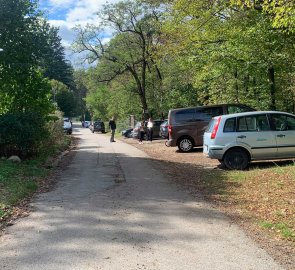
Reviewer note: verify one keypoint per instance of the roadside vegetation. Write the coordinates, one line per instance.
(265, 196)
(172, 54)
(19, 181)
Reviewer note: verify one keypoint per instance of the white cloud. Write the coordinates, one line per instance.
(60, 3)
(74, 12)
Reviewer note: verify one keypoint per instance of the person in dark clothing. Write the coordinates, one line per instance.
(141, 132)
(112, 126)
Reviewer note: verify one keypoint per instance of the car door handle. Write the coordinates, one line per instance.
(242, 137)
(281, 135)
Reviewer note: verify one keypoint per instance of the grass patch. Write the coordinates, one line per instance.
(279, 228)
(265, 195)
(18, 181)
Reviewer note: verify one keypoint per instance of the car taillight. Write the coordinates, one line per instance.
(169, 130)
(215, 128)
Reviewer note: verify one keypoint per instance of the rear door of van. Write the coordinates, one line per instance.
(203, 117)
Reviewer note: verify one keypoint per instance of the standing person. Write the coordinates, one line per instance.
(112, 126)
(150, 127)
(141, 132)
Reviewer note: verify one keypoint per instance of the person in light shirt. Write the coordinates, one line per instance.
(150, 126)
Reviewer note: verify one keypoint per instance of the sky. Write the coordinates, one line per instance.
(66, 14)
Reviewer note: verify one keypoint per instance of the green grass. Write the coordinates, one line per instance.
(20, 180)
(281, 228)
(17, 181)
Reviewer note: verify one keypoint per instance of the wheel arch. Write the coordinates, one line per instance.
(186, 137)
(238, 147)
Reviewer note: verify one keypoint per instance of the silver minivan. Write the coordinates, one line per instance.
(237, 139)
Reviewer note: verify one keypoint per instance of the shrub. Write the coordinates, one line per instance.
(55, 140)
(21, 133)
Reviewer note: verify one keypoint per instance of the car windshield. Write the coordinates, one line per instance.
(211, 125)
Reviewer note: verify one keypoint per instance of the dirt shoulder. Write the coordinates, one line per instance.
(260, 200)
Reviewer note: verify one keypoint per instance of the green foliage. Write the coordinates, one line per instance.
(30, 51)
(220, 45)
(281, 12)
(80, 91)
(64, 98)
(197, 53)
(31, 92)
(21, 133)
(129, 52)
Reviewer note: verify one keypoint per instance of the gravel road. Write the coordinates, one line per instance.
(111, 209)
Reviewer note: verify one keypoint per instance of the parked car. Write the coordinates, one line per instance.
(164, 130)
(186, 126)
(68, 125)
(127, 132)
(86, 124)
(237, 139)
(156, 129)
(97, 126)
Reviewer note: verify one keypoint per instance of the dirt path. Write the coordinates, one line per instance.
(112, 209)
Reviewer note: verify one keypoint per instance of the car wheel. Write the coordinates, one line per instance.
(236, 159)
(185, 145)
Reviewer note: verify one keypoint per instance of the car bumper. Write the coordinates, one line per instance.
(68, 130)
(171, 143)
(215, 152)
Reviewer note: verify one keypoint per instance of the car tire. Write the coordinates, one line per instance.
(236, 159)
(185, 145)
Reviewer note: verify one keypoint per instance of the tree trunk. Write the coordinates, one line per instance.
(236, 86)
(272, 89)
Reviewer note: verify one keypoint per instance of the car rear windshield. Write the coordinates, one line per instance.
(211, 125)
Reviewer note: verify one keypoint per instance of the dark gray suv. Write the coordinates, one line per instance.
(186, 126)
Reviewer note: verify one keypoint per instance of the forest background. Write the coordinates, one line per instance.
(161, 55)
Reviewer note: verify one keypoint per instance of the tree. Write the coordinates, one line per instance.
(130, 49)
(64, 98)
(31, 50)
(220, 44)
(282, 12)
(54, 63)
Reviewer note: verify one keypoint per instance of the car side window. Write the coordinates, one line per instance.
(187, 115)
(230, 125)
(253, 123)
(238, 109)
(205, 114)
(283, 122)
(262, 123)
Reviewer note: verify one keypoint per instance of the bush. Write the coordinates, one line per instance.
(56, 139)
(21, 133)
